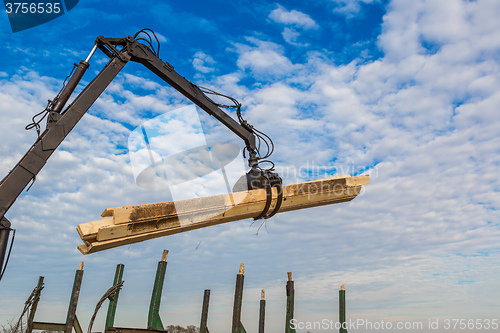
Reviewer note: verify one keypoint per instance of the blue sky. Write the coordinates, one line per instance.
(407, 91)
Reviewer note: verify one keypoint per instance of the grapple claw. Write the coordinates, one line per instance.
(262, 179)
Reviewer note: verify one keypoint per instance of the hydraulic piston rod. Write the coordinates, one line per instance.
(70, 87)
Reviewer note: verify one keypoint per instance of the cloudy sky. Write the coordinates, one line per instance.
(407, 91)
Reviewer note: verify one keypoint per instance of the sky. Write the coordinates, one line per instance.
(405, 91)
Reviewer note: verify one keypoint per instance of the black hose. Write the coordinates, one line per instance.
(110, 293)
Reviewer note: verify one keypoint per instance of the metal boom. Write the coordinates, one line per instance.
(60, 123)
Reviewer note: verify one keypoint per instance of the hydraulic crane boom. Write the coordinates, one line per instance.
(60, 123)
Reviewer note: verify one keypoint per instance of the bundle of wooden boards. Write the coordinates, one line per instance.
(132, 224)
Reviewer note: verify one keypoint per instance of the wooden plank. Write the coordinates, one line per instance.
(77, 326)
(358, 180)
(131, 224)
(210, 209)
(204, 219)
(86, 230)
(48, 326)
(133, 330)
(145, 212)
(96, 246)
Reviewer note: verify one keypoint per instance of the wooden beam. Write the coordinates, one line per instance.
(48, 326)
(131, 224)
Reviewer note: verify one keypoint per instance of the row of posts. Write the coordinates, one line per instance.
(154, 320)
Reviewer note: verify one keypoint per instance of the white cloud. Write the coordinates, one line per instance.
(200, 62)
(161, 38)
(291, 36)
(135, 81)
(350, 8)
(460, 29)
(293, 21)
(293, 18)
(263, 59)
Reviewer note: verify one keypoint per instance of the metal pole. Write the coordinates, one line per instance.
(238, 300)
(75, 293)
(113, 302)
(154, 320)
(342, 309)
(290, 294)
(262, 312)
(91, 53)
(36, 298)
(204, 312)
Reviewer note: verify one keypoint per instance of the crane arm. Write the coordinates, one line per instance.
(60, 123)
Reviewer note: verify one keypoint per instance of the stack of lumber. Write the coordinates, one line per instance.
(132, 224)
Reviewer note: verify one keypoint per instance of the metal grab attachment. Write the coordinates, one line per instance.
(269, 180)
(269, 198)
(278, 202)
